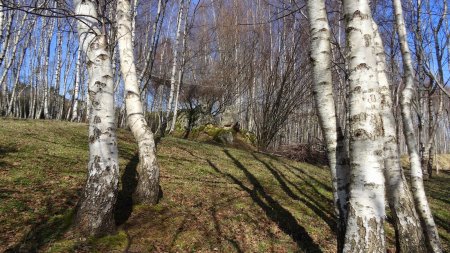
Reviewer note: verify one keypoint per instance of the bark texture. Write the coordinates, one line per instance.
(147, 190)
(421, 202)
(366, 213)
(409, 234)
(95, 212)
(323, 95)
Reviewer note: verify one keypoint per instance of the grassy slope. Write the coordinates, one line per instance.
(215, 198)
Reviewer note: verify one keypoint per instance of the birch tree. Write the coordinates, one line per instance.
(10, 60)
(147, 189)
(323, 95)
(96, 207)
(156, 30)
(46, 82)
(366, 213)
(76, 88)
(6, 38)
(433, 117)
(21, 58)
(418, 189)
(181, 68)
(409, 234)
(174, 65)
(57, 100)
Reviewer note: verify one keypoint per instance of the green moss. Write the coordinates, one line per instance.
(263, 247)
(110, 243)
(217, 137)
(63, 246)
(212, 130)
(56, 225)
(13, 206)
(22, 181)
(251, 137)
(158, 207)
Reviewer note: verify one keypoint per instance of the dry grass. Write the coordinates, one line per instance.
(215, 199)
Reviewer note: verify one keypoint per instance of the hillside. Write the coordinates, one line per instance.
(215, 199)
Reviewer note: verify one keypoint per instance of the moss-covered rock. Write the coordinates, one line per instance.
(224, 137)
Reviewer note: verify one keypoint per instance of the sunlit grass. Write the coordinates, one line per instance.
(215, 198)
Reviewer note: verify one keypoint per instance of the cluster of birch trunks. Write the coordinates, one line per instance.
(366, 168)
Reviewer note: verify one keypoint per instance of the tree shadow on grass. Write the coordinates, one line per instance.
(297, 171)
(442, 223)
(4, 151)
(277, 213)
(44, 232)
(124, 203)
(217, 227)
(309, 201)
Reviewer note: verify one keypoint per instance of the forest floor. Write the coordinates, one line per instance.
(215, 199)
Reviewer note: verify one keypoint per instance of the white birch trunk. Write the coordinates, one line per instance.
(96, 207)
(9, 61)
(57, 99)
(133, 20)
(323, 94)
(76, 88)
(421, 202)
(147, 190)
(39, 77)
(409, 234)
(16, 79)
(46, 95)
(433, 119)
(366, 213)
(173, 76)
(1, 22)
(68, 69)
(150, 54)
(181, 69)
(32, 91)
(6, 39)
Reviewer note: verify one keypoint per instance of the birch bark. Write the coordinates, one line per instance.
(418, 42)
(323, 94)
(366, 213)
(47, 83)
(428, 161)
(9, 61)
(57, 99)
(39, 78)
(409, 234)
(11, 105)
(181, 68)
(173, 76)
(1, 22)
(420, 199)
(96, 207)
(5, 40)
(149, 58)
(68, 69)
(76, 88)
(147, 190)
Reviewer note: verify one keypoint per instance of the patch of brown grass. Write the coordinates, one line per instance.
(215, 199)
